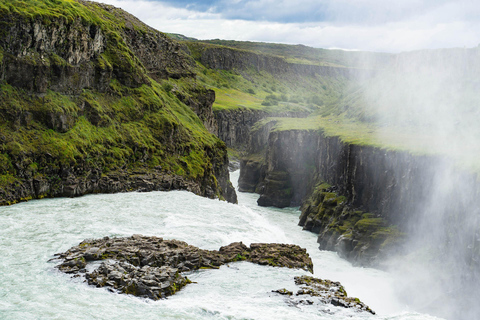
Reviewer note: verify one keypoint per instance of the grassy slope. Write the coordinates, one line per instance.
(145, 126)
(260, 90)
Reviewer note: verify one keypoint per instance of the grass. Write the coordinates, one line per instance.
(68, 11)
(133, 134)
(260, 90)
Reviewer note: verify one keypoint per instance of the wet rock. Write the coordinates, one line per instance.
(283, 291)
(149, 282)
(235, 250)
(151, 267)
(282, 255)
(323, 292)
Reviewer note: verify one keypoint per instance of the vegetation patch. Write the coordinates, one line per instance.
(356, 235)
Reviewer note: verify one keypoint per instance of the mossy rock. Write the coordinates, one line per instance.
(369, 225)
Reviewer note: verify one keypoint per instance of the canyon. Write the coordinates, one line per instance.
(95, 101)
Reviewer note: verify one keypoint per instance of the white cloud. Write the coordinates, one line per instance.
(449, 24)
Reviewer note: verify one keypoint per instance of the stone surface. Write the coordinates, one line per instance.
(151, 267)
(314, 290)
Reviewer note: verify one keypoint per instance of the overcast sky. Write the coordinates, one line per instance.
(372, 25)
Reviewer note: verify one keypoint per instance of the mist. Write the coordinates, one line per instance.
(430, 99)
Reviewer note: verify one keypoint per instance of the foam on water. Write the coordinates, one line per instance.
(31, 288)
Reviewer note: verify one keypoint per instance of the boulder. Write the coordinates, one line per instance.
(323, 292)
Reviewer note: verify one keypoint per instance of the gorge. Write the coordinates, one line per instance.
(378, 150)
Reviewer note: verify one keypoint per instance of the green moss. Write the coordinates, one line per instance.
(142, 127)
(369, 224)
(334, 218)
(70, 10)
(239, 257)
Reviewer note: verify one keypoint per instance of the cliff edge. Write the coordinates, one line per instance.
(93, 100)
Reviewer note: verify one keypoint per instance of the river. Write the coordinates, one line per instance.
(31, 288)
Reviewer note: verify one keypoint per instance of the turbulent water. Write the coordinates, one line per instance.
(31, 288)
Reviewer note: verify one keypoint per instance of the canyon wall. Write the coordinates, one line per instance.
(361, 200)
(233, 126)
(224, 58)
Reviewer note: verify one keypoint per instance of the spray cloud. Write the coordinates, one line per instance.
(431, 99)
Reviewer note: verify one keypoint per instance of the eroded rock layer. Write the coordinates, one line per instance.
(151, 267)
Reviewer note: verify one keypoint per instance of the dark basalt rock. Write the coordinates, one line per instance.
(324, 292)
(151, 267)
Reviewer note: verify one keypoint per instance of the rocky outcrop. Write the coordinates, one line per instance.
(37, 57)
(290, 161)
(368, 177)
(80, 181)
(234, 125)
(151, 267)
(225, 58)
(283, 175)
(200, 100)
(356, 235)
(319, 291)
(333, 180)
(252, 168)
(95, 64)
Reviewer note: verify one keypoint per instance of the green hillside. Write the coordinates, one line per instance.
(67, 111)
(308, 55)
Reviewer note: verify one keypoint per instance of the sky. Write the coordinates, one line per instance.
(369, 25)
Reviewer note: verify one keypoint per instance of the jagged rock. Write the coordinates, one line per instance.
(233, 165)
(251, 173)
(150, 282)
(323, 291)
(286, 166)
(283, 291)
(288, 255)
(151, 267)
(289, 161)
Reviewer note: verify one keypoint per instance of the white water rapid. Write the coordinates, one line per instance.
(31, 288)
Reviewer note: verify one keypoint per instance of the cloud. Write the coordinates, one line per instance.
(372, 25)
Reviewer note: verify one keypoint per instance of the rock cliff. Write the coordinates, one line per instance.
(233, 126)
(361, 200)
(224, 58)
(96, 101)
